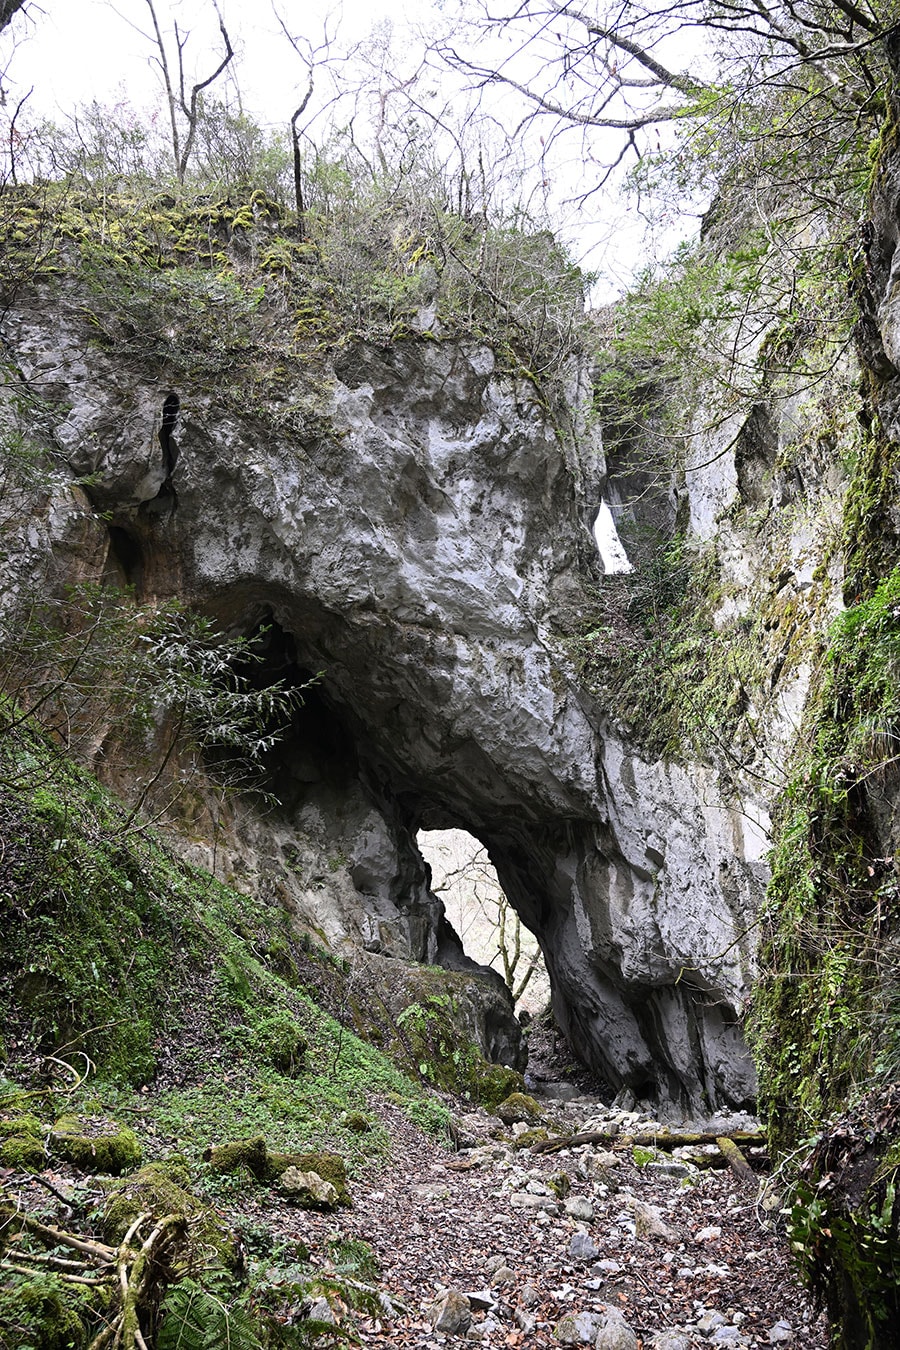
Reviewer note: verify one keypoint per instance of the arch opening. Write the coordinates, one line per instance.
(492, 933)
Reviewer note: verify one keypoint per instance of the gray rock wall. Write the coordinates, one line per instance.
(428, 549)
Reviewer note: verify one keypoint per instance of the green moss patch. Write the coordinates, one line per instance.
(95, 1144)
(161, 1189)
(265, 1165)
(529, 1137)
(845, 1221)
(519, 1109)
(23, 1151)
(36, 1313)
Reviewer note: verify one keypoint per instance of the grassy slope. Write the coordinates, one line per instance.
(117, 952)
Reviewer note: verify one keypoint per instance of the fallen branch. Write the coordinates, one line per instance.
(66, 1277)
(55, 1237)
(736, 1160)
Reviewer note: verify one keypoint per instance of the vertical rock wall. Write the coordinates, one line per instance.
(428, 548)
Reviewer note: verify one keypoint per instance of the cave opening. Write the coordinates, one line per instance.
(316, 749)
(492, 933)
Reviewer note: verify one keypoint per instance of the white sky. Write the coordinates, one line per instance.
(73, 51)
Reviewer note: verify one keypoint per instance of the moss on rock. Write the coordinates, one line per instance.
(34, 1316)
(329, 1166)
(160, 1189)
(494, 1083)
(282, 1043)
(308, 1189)
(844, 1225)
(24, 1124)
(519, 1108)
(95, 1144)
(23, 1151)
(253, 1155)
(250, 1154)
(538, 1136)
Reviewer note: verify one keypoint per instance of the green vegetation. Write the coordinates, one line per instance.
(225, 294)
(827, 956)
(93, 1143)
(429, 1030)
(828, 962)
(683, 681)
(153, 993)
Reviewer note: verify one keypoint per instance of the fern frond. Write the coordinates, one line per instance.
(194, 1319)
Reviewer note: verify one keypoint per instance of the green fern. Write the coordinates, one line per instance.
(194, 1319)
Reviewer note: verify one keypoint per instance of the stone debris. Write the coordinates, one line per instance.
(649, 1222)
(614, 1332)
(579, 1207)
(726, 1335)
(320, 1310)
(670, 1340)
(617, 1264)
(710, 1321)
(582, 1247)
(308, 1188)
(502, 1277)
(578, 1328)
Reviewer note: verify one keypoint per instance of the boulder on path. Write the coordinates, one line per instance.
(577, 1328)
(649, 1222)
(451, 1314)
(309, 1189)
(582, 1247)
(670, 1339)
(518, 1108)
(614, 1332)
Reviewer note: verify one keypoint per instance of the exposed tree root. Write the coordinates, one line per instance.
(136, 1274)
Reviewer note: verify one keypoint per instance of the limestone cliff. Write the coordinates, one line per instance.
(410, 515)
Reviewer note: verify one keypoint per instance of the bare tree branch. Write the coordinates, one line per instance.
(180, 102)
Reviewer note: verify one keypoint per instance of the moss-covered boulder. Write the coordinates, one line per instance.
(329, 1166)
(308, 1189)
(22, 1143)
(266, 1166)
(95, 1143)
(250, 1154)
(160, 1189)
(519, 1109)
(23, 1124)
(538, 1136)
(35, 1314)
(24, 1152)
(493, 1083)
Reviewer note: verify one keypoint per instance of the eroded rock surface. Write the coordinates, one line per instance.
(427, 547)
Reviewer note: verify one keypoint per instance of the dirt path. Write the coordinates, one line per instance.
(692, 1256)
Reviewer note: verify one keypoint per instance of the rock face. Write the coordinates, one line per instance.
(427, 547)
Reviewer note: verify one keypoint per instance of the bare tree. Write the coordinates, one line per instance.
(622, 70)
(315, 57)
(464, 877)
(184, 105)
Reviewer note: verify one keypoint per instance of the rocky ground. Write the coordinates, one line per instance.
(611, 1243)
(582, 1246)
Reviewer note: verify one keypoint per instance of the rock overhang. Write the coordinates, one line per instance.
(430, 553)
